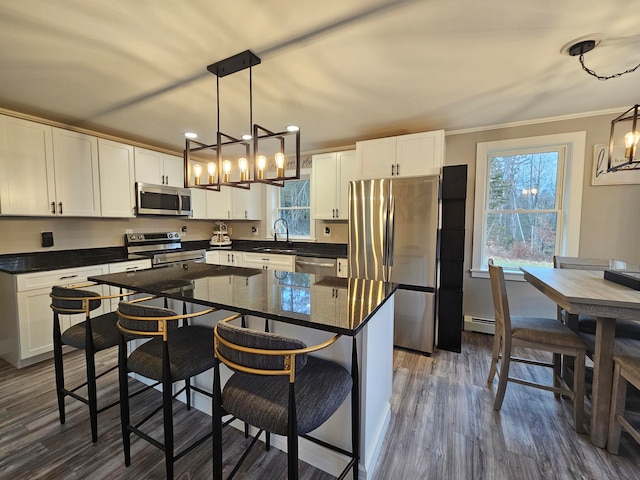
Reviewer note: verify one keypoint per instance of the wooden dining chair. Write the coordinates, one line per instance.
(543, 334)
(627, 370)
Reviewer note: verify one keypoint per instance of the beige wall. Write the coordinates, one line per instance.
(610, 224)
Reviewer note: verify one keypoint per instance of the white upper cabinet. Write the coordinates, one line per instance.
(330, 177)
(117, 193)
(402, 156)
(247, 204)
(199, 203)
(219, 204)
(77, 180)
(46, 170)
(158, 168)
(27, 179)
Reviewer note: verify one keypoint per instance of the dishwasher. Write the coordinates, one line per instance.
(317, 265)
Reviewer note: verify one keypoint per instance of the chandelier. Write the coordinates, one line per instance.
(624, 129)
(259, 156)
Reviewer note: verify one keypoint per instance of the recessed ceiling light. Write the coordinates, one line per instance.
(292, 128)
(190, 135)
(246, 136)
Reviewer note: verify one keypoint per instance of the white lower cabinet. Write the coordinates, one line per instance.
(284, 263)
(343, 267)
(229, 257)
(325, 298)
(26, 316)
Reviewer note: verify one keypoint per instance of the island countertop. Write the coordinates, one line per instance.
(339, 305)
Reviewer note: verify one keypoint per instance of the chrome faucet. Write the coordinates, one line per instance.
(275, 231)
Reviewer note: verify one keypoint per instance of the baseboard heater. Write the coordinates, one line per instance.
(478, 324)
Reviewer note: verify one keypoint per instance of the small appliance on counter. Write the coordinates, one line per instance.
(220, 236)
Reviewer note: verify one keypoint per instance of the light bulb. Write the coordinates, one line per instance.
(212, 171)
(631, 142)
(524, 191)
(534, 191)
(197, 171)
(279, 164)
(242, 165)
(262, 164)
(226, 168)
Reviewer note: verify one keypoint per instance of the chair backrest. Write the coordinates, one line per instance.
(581, 263)
(74, 300)
(500, 302)
(243, 345)
(138, 319)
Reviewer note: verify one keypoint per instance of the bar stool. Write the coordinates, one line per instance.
(627, 370)
(279, 388)
(91, 335)
(175, 351)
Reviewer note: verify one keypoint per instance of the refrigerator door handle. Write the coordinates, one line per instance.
(390, 235)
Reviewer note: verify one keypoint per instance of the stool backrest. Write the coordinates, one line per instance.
(140, 319)
(243, 345)
(73, 300)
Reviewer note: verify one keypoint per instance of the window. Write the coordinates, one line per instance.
(525, 190)
(293, 203)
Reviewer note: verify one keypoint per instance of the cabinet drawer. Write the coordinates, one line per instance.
(32, 281)
(275, 262)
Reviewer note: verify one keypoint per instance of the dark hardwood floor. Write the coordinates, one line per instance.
(443, 426)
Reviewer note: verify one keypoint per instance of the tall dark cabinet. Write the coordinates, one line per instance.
(450, 316)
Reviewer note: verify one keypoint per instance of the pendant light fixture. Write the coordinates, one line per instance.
(625, 129)
(258, 156)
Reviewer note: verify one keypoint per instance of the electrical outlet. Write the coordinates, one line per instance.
(327, 231)
(254, 230)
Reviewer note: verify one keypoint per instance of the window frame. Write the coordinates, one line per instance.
(570, 191)
(273, 204)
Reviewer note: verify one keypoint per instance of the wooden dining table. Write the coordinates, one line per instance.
(586, 292)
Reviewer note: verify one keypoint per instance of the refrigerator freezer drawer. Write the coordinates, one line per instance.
(414, 320)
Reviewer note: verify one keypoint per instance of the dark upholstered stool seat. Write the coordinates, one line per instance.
(263, 401)
(544, 330)
(104, 330)
(190, 353)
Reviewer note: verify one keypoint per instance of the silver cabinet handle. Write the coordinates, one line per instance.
(314, 264)
(66, 277)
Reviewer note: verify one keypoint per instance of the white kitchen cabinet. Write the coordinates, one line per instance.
(46, 170)
(117, 179)
(343, 267)
(229, 257)
(246, 204)
(26, 316)
(212, 257)
(284, 263)
(158, 168)
(27, 184)
(402, 156)
(330, 177)
(219, 204)
(198, 203)
(77, 179)
(326, 298)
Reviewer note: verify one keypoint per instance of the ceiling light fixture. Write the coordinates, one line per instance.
(621, 132)
(582, 45)
(240, 162)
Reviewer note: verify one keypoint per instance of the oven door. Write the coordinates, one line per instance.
(162, 200)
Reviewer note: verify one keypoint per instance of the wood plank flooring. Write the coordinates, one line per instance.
(443, 426)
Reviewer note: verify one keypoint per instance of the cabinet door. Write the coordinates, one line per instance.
(75, 158)
(149, 166)
(117, 179)
(347, 171)
(213, 257)
(420, 153)
(284, 263)
(343, 267)
(219, 204)
(26, 168)
(323, 182)
(376, 158)
(173, 170)
(231, 258)
(247, 204)
(198, 203)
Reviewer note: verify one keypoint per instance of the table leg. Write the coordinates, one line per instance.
(602, 377)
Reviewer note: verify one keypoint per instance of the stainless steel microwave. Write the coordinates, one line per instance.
(162, 200)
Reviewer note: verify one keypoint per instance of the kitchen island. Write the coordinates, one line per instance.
(307, 307)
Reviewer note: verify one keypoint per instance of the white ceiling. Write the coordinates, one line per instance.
(341, 70)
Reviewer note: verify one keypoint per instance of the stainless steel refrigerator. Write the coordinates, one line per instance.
(393, 236)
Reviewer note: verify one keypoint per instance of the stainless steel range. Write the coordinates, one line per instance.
(162, 248)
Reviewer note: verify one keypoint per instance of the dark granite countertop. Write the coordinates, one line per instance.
(54, 260)
(339, 305)
(58, 259)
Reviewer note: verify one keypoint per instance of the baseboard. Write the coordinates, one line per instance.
(479, 324)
